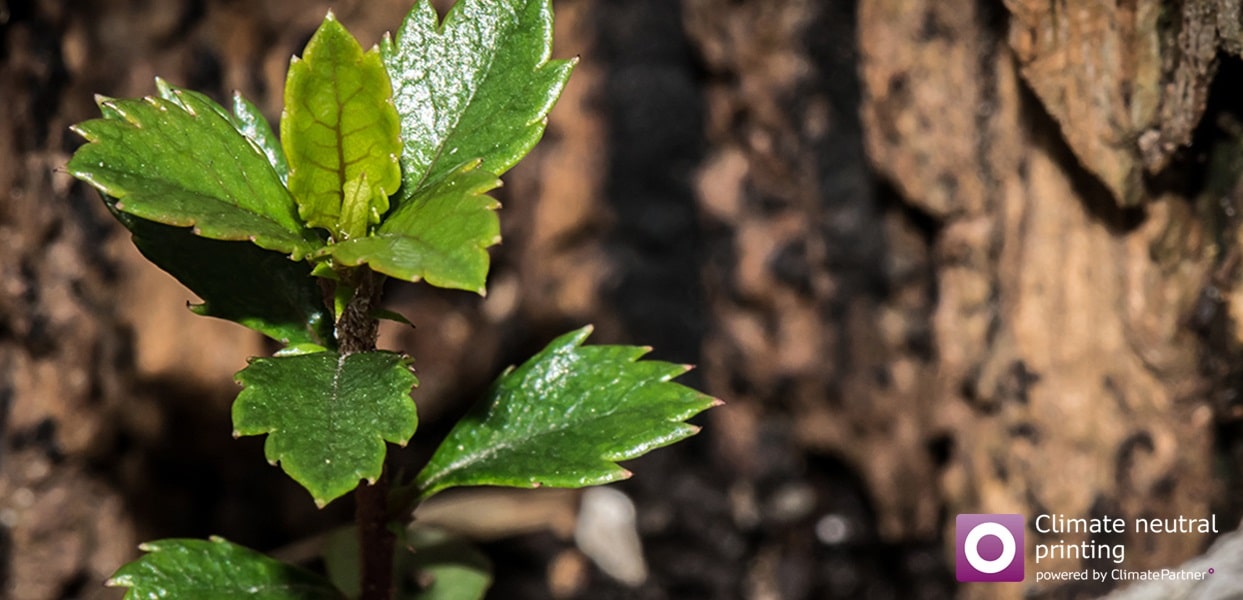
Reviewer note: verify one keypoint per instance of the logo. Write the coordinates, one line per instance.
(989, 547)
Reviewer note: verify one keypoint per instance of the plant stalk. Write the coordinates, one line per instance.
(357, 330)
(357, 326)
(376, 542)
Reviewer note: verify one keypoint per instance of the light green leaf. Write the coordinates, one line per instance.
(477, 86)
(451, 567)
(188, 569)
(564, 418)
(327, 415)
(430, 564)
(357, 208)
(342, 563)
(300, 349)
(179, 160)
(441, 235)
(250, 121)
(340, 126)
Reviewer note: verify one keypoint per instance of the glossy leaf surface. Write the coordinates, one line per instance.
(180, 160)
(477, 86)
(188, 569)
(249, 120)
(237, 281)
(339, 129)
(327, 416)
(564, 418)
(440, 235)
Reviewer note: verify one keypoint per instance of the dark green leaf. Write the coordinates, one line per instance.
(188, 569)
(478, 86)
(441, 235)
(340, 132)
(388, 315)
(327, 415)
(179, 160)
(564, 418)
(250, 121)
(239, 281)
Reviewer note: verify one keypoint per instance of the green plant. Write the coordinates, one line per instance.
(384, 161)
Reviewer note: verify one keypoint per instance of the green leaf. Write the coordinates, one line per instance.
(451, 567)
(300, 349)
(249, 120)
(564, 418)
(189, 569)
(389, 315)
(430, 564)
(342, 563)
(441, 235)
(327, 415)
(179, 160)
(239, 281)
(340, 129)
(246, 118)
(478, 86)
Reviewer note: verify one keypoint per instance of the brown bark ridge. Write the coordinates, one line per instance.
(1065, 366)
(1128, 82)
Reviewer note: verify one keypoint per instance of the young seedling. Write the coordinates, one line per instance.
(382, 169)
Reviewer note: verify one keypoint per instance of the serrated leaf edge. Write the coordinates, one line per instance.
(321, 501)
(683, 430)
(110, 110)
(481, 190)
(389, 49)
(155, 546)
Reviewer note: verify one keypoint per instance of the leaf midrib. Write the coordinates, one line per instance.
(442, 32)
(492, 449)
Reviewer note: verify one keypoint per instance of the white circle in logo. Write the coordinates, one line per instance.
(971, 547)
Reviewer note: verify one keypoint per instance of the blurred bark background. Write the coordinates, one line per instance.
(939, 256)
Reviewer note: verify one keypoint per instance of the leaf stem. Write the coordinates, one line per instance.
(357, 330)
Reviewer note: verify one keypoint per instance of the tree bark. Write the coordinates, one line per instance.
(1025, 343)
(938, 256)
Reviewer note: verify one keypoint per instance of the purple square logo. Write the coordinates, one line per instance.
(989, 547)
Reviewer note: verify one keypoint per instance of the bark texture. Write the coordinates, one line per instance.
(938, 256)
(1041, 138)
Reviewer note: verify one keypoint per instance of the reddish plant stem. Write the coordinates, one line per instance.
(376, 541)
(357, 330)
